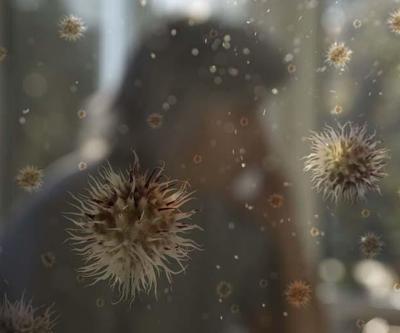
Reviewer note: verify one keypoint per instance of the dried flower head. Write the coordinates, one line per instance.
(338, 109)
(155, 120)
(3, 53)
(291, 68)
(314, 232)
(276, 200)
(338, 55)
(224, 289)
(345, 163)
(357, 24)
(22, 317)
(298, 293)
(130, 228)
(394, 22)
(30, 178)
(72, 28)
(371, 245)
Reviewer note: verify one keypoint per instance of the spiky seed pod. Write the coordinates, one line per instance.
(298, 293)
(72, 28)
(338, 55)
(224, 289)
(371, 245)
(22, 317)
(276, 200)
(345, 163)
(30, 178)
(394, 22)
(155, 120)
(130, 228)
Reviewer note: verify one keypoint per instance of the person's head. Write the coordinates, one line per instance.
(194, 89)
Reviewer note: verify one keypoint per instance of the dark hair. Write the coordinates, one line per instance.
(178, 59)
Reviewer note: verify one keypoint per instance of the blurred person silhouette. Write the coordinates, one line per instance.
(207, 80)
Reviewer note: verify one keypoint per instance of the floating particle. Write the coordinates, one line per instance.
(314, 232)
(263, 283)
(3, 53)
(338, 55)
(357, 24)
(227, 38)
(165, 106)
(338, 109)
(394, 21)
(275, 91)
(244, 121)
(172, 100)
(311, 4)
(233, 71)
(371, 245)
(365, 213)
(82, 114)
(246, 51)
(82, 166)
(213, 33)
(226, 45)
(213, 69)
(72, 28)
(218, 80)
(155, 120)
(48, 259)
(360, 323)
(292, 68)
(153, 55)
(21, 316)
(197, 159)
(288, 57)
(173, 32)
(345, 163)
(276, 200)
(298, 293)
(30, 178)
(195, 52)
(130, 227)
(235, 308)
(100, 302)
(224, 289)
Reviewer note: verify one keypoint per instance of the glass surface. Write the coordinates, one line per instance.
(278, 119)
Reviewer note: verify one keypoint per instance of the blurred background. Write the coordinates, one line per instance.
(45, 84)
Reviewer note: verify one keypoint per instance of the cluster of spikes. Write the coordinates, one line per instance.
(22, 317)
(346, 163)
(130, 228)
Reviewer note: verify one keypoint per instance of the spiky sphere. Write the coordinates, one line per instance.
(22, 317)
(371, 245)
(72, 28)
(345, 163)
(130, 228)
(30, 178)
(338, 55)
(394, 22)
(298, 293)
